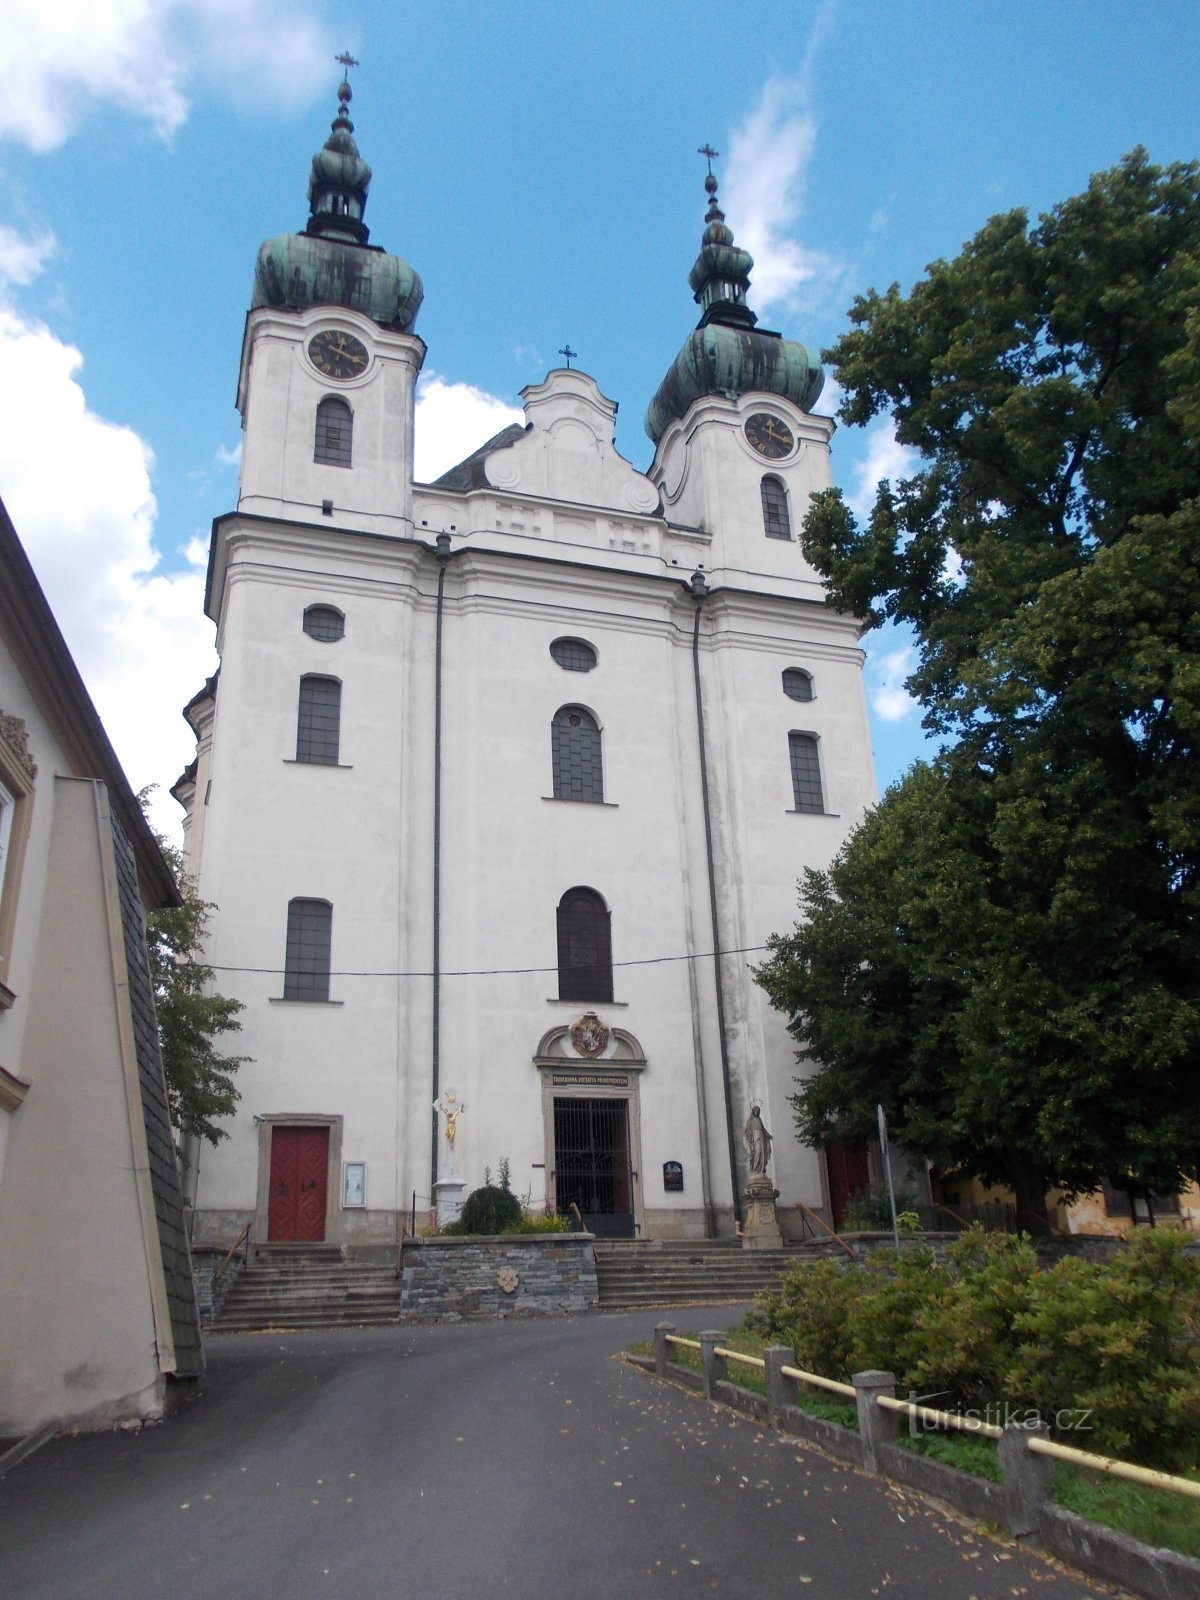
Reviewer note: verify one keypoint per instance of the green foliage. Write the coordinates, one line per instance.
(200, 1086)
(1007, 952)
(1109, 1356)
(548, 1222)
(870, 1210)
(490, 1209)
(1163, 1520)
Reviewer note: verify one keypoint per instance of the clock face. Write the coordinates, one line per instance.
(768, 435)
(337, 354)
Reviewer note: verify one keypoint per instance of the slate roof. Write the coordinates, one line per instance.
(469, 474)
(160, 1142)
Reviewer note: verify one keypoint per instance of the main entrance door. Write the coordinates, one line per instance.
(591, 1164)
(299, 1163)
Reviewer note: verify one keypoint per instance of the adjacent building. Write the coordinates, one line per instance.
(97, 1311)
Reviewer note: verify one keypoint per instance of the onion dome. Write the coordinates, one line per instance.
(331, 263)
(726, 353)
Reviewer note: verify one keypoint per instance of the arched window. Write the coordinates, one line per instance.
(318, 721)
(306, 956)
(584, 946)
(575, 751)
(573, 655)
(806, 772)
(325, 623)
(777, 523)
(335, 433)
(797, 684)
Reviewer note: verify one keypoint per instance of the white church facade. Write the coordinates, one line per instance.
(505, 779)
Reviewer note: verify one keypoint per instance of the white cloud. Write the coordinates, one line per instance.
(230, 458)
(61, 59)
(886, 674)
(763, 197)
(23, 257)
(452, 420)
(886, 458)
(78, 490)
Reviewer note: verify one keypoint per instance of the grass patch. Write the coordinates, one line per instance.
(817, 1402)
(1156, 1516)
(976, 1456)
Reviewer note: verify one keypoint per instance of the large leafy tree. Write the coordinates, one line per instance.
(200, 1086)
(1007, 951)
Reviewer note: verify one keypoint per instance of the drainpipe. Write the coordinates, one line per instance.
(442, 555)
(700, 591)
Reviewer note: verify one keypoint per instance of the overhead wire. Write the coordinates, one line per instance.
(505, 972)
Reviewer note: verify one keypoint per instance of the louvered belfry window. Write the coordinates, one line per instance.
(576, 755)
(776, 521)
(306, 959)
(584, 946)
(335, 433)
(806, 772)
(318, 721)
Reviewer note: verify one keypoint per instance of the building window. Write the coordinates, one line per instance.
(325, 623)
(335, 433)
(573, 655)
(575, 749)
(776, 521)
(17, 776)
(318, 721)
(306, 959)
(806, 772)
(797, 684)
(584, 947)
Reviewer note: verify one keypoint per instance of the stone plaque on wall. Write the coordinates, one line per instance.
(673, 1177)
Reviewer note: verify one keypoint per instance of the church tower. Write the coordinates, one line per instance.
(330, 360)
(505, 779)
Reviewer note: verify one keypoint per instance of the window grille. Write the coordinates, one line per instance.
(573, 655)
(797, 684)
(306, 959)
(776, 521)
(335, 433)
(318, 721)
(325, 623)
(575, 751)
(584, 947)
(806, 772)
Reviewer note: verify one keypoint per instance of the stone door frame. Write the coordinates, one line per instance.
(333, 1171)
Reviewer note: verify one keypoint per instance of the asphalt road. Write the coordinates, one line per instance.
(481, 1459)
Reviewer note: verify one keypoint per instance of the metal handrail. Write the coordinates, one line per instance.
(1114, 1468)
(230, 1253)
(736, 1355)
(818, 1382)
(688, 1344)
(941, 1419)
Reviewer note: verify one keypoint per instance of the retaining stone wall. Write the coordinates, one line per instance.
(447, 1279)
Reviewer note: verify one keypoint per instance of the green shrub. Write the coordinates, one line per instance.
(547, 1222)
(988, 1328)
(490, 1209)
(870, 1210)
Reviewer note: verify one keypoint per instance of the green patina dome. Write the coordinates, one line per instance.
(726, 354)
(331, 263)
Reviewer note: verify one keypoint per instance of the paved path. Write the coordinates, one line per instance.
(473, 1460)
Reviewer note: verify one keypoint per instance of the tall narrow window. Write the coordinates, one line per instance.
(584, 946)
(318, 721)
(575, 751)
(777, 523)
(335, 433)
(806, 772)
(306, 958)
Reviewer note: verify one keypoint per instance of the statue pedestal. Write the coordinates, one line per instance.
(448, 1192)
(761, 1230)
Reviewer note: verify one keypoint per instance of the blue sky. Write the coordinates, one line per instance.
(536, 163)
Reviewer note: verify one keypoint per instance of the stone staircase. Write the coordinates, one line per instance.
(670, 1272)
(307, 1286)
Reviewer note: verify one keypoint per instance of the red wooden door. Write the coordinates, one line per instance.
(299, 1162)
(848, 1171)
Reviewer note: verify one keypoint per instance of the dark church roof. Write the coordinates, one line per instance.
(469, 474)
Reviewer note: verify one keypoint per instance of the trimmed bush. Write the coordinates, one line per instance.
(490, 1209)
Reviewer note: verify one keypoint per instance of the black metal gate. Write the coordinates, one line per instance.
(591, 1164)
